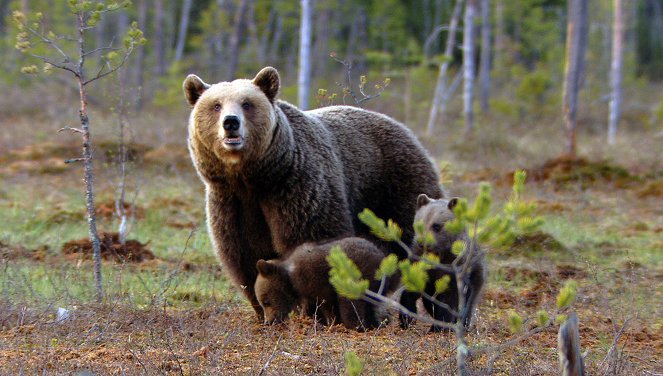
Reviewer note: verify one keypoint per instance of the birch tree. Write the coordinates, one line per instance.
(468, 64)
(484, 70)
(576, 45)
(616, 69)
(441, 86)
(305, 37)
(233, 45)
(184, 27)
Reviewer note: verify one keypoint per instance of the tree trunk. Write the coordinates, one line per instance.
(440, 87)
(616, 70)
(88, 175)
(159, 44)
(276, 40)
(184, 26)
(233, 48)
(576, 44)
(305, 37)
(468, 64)
(142, 52)
(484, 70)
(264, 39)
(498, 51)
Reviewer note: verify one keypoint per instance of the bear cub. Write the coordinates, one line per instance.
(435, 214)
(302, 280)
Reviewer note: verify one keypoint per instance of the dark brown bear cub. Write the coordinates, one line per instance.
(435, 214)
(302, 280)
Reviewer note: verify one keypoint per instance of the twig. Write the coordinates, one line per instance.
(71, 129)
(614, 343)
(271, 356)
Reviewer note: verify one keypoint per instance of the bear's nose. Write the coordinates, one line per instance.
(231, 123)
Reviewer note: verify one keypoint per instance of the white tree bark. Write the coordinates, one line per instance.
(576, 44)
(484, 70)
(305, 37)
(468, 64)
(441, 85)
(616, 70)
(184, 26)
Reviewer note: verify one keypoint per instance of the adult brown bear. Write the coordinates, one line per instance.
(277, 177)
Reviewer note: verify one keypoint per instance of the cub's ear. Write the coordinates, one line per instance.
(269, 82)
(194, 87)
(423, 200)
(266, 268)
(452, 203)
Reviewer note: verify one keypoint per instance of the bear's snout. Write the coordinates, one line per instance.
(231, 123)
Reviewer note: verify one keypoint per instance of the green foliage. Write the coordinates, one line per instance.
(560, 318)
(567, 294)
(458, 247)
(353, 365)
(414, 276)
(442, 284)
(344, 275)
(515, 322)
(388, 266)
(422, 235)
(387, 232)
(542, 318)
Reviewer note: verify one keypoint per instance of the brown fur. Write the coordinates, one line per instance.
(435, 214)
(303, 280)
(297, 176)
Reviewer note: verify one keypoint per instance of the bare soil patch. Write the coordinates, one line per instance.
(111, 249)
(107, 210)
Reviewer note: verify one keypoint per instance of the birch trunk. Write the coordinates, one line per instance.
(305, 37)
(616, 70)
(484, 70)
(233, 47)
(576, 43)
(440, 87)
(184, 26)
(468, 64)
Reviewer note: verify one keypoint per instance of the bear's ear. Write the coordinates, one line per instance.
(268, 81)
(194, 87)
(423, 200)
(452, 203)
(266, 268)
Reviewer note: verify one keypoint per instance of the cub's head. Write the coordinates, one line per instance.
(435, 214)
(231, 121)
(274, 291)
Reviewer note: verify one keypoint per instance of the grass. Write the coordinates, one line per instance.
(179, 313)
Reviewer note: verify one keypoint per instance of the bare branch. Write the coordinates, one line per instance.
(56, 65)
(71, 129)
(113, 69)
(49, 42)
(74, 160)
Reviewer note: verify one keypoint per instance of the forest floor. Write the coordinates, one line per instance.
(172, 310)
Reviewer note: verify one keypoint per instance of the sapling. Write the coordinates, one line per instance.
(70, 54)
(494, 231)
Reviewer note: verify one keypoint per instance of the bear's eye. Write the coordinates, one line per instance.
(217, 107)
(436, 227)
(247, 105)
(266, 302)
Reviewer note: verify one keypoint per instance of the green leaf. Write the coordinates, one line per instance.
(344, 275)
(515, 322)
(442, 284)
(353, 365)
(414, 276)
(567, 294)
(386, 232)
(542, 318)
(388, 266)
(458, 247)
